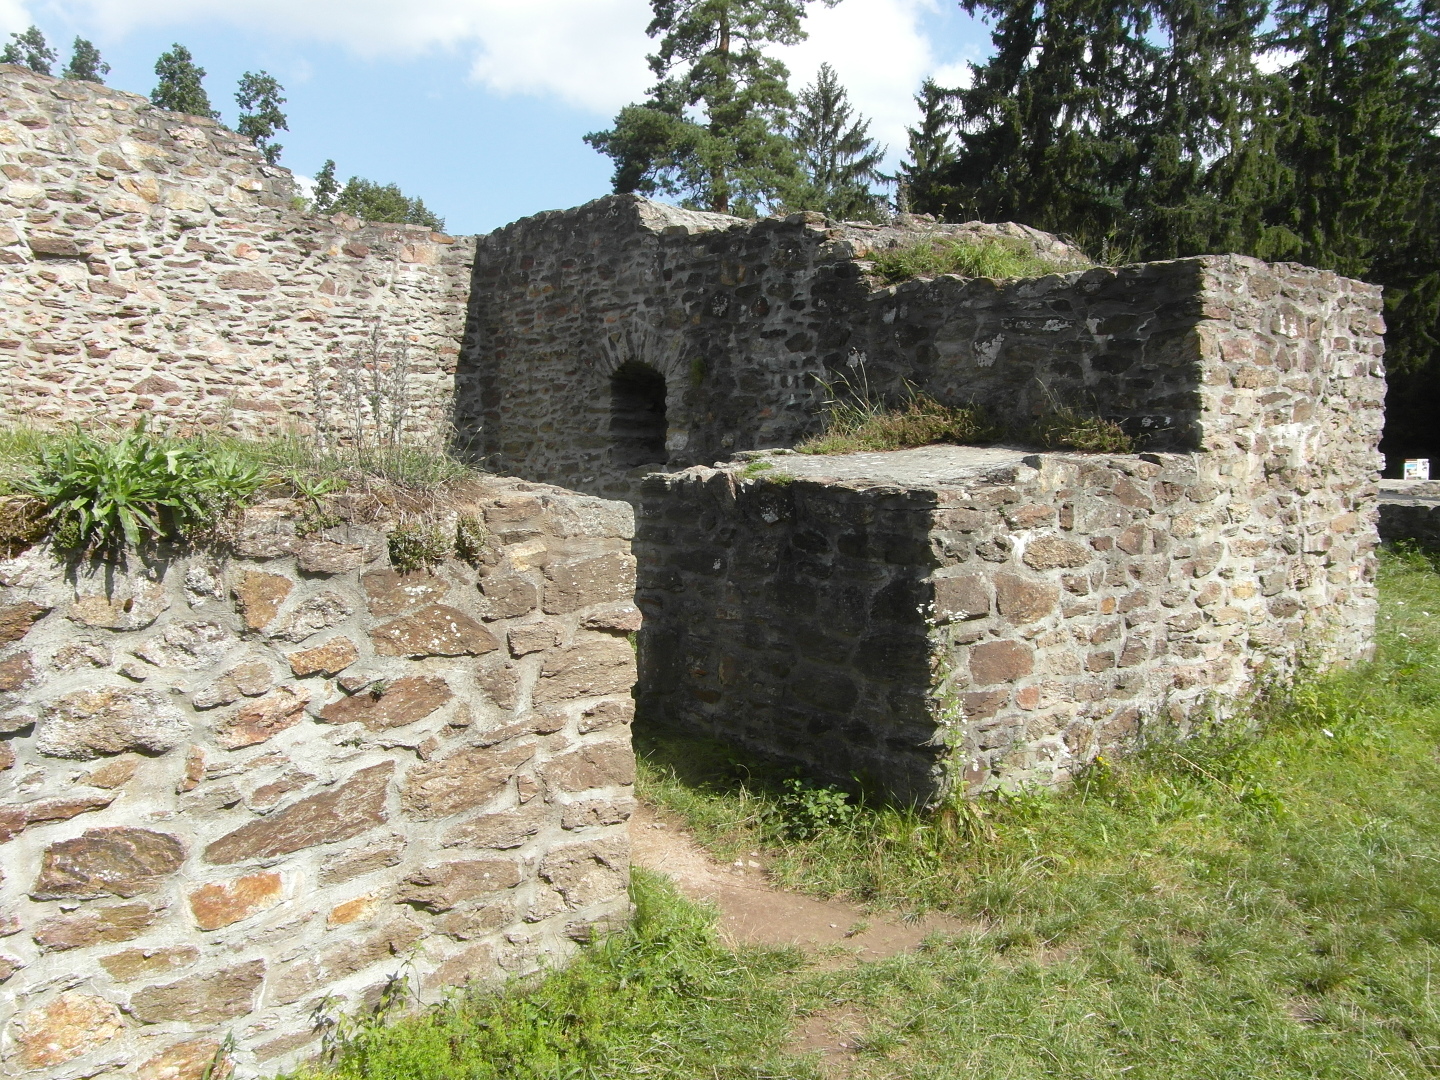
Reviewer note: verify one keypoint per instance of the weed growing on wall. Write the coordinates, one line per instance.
(989, 257)
(857, 419)
(105, 496)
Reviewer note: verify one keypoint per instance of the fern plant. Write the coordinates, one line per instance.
(102, 496)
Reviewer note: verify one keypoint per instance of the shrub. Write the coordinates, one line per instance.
(856, 420)
(416, 546)
(103, 496)
(990, 257)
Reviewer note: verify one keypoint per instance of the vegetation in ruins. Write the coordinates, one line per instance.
(713, 128)
(988, 257)
(259, 97)
(1256, 900)
(1299, 130)
(181, 86)
(29, 50)
(839, 161)
(858, 419)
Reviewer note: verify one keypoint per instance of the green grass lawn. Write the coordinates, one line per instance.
(1237, 905)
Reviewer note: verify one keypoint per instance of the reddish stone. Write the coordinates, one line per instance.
(244, 281)
(17, 619)
(17, 673)
(345, 811)
(110, 720)
(983, 704)
(250, 679)
(437, 630)
(1000, 661)
(329, 557)
(95, 926)
(465, 780)
(113, 774)
(579, 583)
(603, 765)
(114, 861)
(507, 596)
(71, 1026)
(331, 658)
(616, 619)
(195, 1059)
(587, 873)
(375, 855)
(965, 596)
(1022, 600)
(1054, 552)
(399, 703)
(262, 720)
(260, 597)
(391, 593)
(143, 963)
(606, 714)
(590, 668)
(222, 903)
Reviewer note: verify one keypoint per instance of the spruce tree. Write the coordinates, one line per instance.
(181, 87)
(85, 63)
(381, 202)
(929, 153)
(712, 129)
(29, 50)
(259, 99)
(839, 162)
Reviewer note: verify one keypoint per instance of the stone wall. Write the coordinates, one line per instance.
(237, 788)
(1410, 510)
(740, 317)
(745, 318)
(956, 618)
(152, 264)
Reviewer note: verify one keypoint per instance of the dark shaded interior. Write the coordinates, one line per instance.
(637, 416)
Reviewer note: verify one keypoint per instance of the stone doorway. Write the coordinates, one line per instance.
(637, 416)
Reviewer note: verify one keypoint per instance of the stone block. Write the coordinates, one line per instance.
(310, 616)
(464, 780)
(250, 679)
(219, 904)
(962, 596)
(392, 593)
(589, 872)
(95, 926)
(260, 721)
(448, 885)
(71, 1026)
(597, 765)
(17, 619)
(329, 658)
(577, 583)
(592, 667)
(390, 705)
(260, 596)
(1022, 600)
(110, 720)
(349, 809)
(188, 646)
(114, 861)
(436, 630)
(131, 964)
(209, 998)
(193, 1059)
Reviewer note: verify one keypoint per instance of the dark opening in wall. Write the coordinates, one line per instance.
(637, 416)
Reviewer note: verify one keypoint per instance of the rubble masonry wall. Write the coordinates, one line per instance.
(240, 787)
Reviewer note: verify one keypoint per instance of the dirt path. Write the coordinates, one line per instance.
(755, 912)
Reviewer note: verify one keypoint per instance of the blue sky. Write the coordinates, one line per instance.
(479, 106)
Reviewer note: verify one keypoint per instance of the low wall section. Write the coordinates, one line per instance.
(152, 264)
(241, 791)
(957, 619)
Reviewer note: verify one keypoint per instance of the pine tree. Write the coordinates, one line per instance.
(930, 152)
(712, 129)
(326, 188)
(85, 63)
(839, 162)
(181, 88)
(29, 50)
(260, 117)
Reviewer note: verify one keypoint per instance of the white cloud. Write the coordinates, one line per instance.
(587, 53)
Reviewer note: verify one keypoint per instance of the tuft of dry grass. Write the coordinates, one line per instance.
(991, 257)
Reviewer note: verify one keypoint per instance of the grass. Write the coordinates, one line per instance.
(1248, 903)
(991, 257)
(857, 420)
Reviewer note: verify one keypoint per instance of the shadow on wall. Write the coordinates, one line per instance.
(637, 416)
(787, 617)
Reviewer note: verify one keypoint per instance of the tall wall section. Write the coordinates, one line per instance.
(151, 263)
(242, 788)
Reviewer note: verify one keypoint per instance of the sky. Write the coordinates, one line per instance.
(479, 106)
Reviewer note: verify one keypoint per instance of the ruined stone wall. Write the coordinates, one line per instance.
(235, 788)
(1410, 510)
(745, 318)
(741, 317)
(152, 264)
(954, 618)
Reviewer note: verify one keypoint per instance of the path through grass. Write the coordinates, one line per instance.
(1265, 905)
